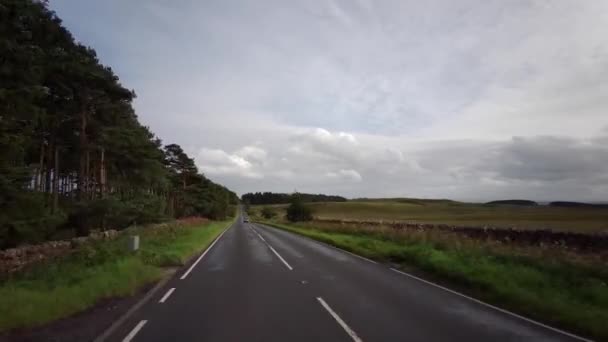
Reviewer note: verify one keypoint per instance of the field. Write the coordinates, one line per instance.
(105, 269)
(584, 220)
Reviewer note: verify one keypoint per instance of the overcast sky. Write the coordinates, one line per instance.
(470, 100)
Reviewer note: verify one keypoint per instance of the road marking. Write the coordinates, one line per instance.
(334, 247)
(273, 250)
(280, 257)
(203, 255)
(261, 237)
(255, 231)
(353, 254)
(162, 300)
(494, 307)
(343, 324)
(135, 330)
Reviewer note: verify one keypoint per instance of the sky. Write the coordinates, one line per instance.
(471, 100)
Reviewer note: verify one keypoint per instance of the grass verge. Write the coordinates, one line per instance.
(105, 269)
(556, 291)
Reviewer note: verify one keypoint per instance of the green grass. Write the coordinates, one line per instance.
(102, 270)
(585, 220)
(554, 290)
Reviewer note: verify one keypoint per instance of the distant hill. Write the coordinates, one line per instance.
(518, 202)
(567, 204)
(281, 198)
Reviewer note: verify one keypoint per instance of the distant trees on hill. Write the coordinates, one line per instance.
(282, 198)
(566, 204)
(72, 151)
(518, 202)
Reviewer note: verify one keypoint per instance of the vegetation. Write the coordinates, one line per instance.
(550, 285)
(73, 155)
(584, 220)
(577, 205)
(297, 211)
(513, 202)
(280, 198)
(268, 213)
(106, 269)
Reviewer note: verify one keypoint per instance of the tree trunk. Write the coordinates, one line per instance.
(171, 206)
(38, 179)
(87, 184)
(49, 167)
(56, 182)
(102, 173)
(82, 173)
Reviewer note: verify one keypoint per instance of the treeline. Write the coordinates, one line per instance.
(73, 155)
(567, 204)
(517, 202)
(281, 198)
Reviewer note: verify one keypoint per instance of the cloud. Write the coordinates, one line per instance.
(218, 162)
(549, 159)
(350, 175)
(468, 99)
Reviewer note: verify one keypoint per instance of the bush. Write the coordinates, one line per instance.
(268, 213)
(25, 218)
(298, 211)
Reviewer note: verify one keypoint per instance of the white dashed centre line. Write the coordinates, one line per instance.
(162, 300)
(343, 324)
(135, 330)
(273, 250)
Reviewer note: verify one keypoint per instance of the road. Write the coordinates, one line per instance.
(258, 283)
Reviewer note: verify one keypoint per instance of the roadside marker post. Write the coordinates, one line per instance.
(134, 243)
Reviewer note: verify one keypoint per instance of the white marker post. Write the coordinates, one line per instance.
(134, 243)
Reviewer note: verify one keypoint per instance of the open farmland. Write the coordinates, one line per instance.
(584, 220)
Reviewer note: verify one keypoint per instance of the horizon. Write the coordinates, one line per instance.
(472, 101)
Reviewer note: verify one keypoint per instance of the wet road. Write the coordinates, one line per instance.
(258, 283)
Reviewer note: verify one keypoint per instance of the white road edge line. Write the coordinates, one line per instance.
(494, 307)
(135, 330)
(162, 300)
(280, 257)
(343, 324)
(203, 255)
(353, 254)
(272, 249)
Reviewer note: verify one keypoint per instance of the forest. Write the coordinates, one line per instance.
(282, 198)
(73, 155)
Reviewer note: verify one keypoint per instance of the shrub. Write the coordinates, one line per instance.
(298, 211)
(268, 213)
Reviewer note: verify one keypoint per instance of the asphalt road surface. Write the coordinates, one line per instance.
(258, 283)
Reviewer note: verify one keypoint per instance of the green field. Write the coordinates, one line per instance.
(587, 220)
(553, 286)
(106, 269)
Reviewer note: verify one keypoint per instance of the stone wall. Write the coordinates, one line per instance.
(591, 243)
(14, 259)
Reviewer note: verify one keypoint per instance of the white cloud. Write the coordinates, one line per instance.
(218, 162)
